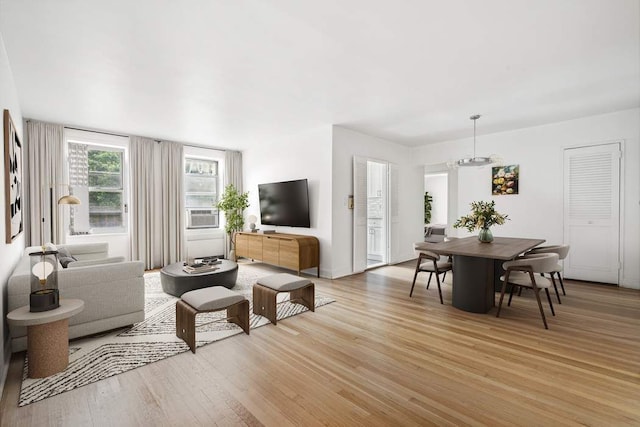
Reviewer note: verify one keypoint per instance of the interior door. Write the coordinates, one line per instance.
(592, 212)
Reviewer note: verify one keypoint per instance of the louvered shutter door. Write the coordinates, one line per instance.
(592, 212)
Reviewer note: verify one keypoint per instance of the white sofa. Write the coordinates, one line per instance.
(112, 290)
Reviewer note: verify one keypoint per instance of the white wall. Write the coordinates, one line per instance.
(304, 155)
(9, 253)
(538, 210)
(346, 145)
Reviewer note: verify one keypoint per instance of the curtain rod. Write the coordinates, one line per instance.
(127, 136)
(156, 140)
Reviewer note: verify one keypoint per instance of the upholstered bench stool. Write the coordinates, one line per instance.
(207, 300)
(266, 290)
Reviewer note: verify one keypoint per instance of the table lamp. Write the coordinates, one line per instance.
(44, 294)
(252, 223)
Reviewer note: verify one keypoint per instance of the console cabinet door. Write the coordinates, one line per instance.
(270, 249)
(255, 247)
(289, 255)
(242, 245)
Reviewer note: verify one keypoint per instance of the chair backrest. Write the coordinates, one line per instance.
(561, 250)
(422, 247)
(539, 263)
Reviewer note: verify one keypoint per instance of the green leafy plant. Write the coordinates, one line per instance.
(483, 215)
(233, 203)
(427, 207)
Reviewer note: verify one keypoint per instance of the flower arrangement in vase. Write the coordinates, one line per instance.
(483, 215)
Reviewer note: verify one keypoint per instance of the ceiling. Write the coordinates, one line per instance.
(232, 74)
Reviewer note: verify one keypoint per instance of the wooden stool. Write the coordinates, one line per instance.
(206, 300)
(266, 290)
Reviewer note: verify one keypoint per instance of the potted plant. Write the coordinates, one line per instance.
(233, 203)
(428, 199)
(483, 215)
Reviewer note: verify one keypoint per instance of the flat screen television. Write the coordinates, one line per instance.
(285, 203)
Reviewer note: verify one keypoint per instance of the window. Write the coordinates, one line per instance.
(96, 178)
(201, 192)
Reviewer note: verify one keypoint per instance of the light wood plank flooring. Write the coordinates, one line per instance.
(378, 357)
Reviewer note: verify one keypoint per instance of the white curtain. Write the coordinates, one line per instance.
(232, 175)
(172, 202)
(157, 204)
(44, 173)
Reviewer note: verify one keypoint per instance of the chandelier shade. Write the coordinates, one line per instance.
(475, 160)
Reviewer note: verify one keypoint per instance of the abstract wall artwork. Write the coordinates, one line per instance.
(12, 180)
(504, 180)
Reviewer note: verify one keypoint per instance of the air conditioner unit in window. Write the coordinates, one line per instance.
(202, 218)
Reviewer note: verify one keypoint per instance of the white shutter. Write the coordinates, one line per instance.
(592, 212)
(359, 214)
(394, 213)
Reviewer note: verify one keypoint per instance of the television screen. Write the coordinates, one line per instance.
(285, 203)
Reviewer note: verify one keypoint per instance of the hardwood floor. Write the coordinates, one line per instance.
(378, 357)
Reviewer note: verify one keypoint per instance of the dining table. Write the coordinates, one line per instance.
(477, 267)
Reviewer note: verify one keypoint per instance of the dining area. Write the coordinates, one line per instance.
(484, 267)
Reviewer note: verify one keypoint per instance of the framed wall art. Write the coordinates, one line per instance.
(13, 202)
(504, 180)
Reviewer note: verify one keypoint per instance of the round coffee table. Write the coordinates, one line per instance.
(47, 336)
(175, 281)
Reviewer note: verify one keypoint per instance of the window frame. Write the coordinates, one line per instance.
(188, 156)
(104, 142)
(209, 154)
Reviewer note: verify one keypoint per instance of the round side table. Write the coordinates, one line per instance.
(47, 336)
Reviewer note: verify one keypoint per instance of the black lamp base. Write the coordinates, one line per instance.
(44, 300)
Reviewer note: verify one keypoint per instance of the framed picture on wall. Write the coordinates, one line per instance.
(12, 180)
(504, 180)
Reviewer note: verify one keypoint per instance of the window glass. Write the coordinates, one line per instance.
(96, 178)
(201, 192)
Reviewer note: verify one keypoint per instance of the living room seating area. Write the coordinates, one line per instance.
(112, 290)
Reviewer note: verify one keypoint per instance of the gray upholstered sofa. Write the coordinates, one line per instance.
(112, 290)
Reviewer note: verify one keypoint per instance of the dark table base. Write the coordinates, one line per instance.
(474, 283)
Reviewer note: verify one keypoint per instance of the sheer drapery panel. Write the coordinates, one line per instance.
(157, 203)
(232, 175)
(44, 171)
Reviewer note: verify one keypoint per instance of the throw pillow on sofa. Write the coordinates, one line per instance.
(65, 257)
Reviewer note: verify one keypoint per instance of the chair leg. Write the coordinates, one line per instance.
(511, 293)
(519, 290)
(561, 284)
(550, 303)
(536, 290)
(504, 288)
(429, 281)
(239, 314)
(186, 324)
(556, 288)
(415, 275)
(439, 290)
(444, 276)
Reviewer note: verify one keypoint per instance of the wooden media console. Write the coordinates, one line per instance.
(292, 251)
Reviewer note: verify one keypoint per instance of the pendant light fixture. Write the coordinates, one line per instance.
(475, 161)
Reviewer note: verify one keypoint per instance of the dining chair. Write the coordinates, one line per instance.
(432, 263)
(562, 251)
(520, 273)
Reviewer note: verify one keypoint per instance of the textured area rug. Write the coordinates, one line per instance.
(101, 356)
